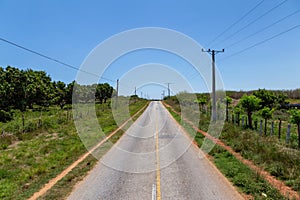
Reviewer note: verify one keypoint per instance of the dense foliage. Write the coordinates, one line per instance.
(22, 89)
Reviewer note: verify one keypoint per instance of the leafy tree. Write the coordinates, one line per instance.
(266, 113)
(69, 92)
(282, 100)
(202, 101)
(238, 110)
(268, 98)
(103, 92)
(249, 104)
(295, 118)
(38, 88)
(61, 94)
(15, 88)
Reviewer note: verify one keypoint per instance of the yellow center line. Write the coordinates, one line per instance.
(158, 192)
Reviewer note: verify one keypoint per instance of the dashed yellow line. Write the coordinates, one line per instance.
(158, 192)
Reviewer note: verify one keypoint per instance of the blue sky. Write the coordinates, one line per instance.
(69, 30)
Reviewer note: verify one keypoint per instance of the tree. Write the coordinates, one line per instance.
(268, 98)
(266, 113)
(250, 104)
(282, 100)
(103, 92)
(295, 118)
(15, 88)
(38, 88)
(60, 94)
(238, 110)
(69, 92)
(202, 101)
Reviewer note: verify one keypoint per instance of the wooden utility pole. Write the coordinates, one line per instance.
(117, 90)
(214, 106)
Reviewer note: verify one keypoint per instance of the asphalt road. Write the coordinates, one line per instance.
(154, 160)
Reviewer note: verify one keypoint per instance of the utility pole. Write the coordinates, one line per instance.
(169, 93)
(117, 93)
(214, 106)
(135, 96)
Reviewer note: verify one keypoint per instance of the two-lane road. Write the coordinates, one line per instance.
(154, 160)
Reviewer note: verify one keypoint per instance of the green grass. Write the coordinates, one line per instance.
(275, 156)
(64, 186)
(248, 181)
(29, 160)
(252, 147)
(267, 152)
(285, 117)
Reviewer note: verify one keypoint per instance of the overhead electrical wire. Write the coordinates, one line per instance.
(261, 42)
(236, 22)
(252, 22)
(252, 46)
(54, 60)
(263, 29)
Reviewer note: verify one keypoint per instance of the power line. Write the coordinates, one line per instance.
(253, 21)
(52, 59)
(236, 22)
(263, 29)
(261, 42)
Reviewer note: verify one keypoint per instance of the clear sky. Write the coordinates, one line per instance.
(69, 30)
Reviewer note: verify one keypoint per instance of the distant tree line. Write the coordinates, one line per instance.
(22, 89)
(291, 94)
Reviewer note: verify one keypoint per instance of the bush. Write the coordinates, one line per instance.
(5, 116)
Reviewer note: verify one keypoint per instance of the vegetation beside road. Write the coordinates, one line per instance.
(249, 182)
(64, 187)
(34, 157)
(281, 160)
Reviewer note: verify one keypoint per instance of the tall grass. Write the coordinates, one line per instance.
(271, 154)
(30, 158)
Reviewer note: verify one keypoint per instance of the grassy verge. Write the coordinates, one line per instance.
(35, 157)
(266, 152)
(64, 187)
(248, 181)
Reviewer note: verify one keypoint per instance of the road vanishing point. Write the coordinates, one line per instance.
(154, 160)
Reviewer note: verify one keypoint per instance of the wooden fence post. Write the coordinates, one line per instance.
(272, 128)
(23, 122)
(260, 127)
(255, 124)
(288, 133)
(279, 129)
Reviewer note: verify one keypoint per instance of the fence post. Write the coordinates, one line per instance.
(255, 124)
(23, 122)
(288, 134)
(260, 127)
(279, 129)
(238, 119)
(272, 128)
